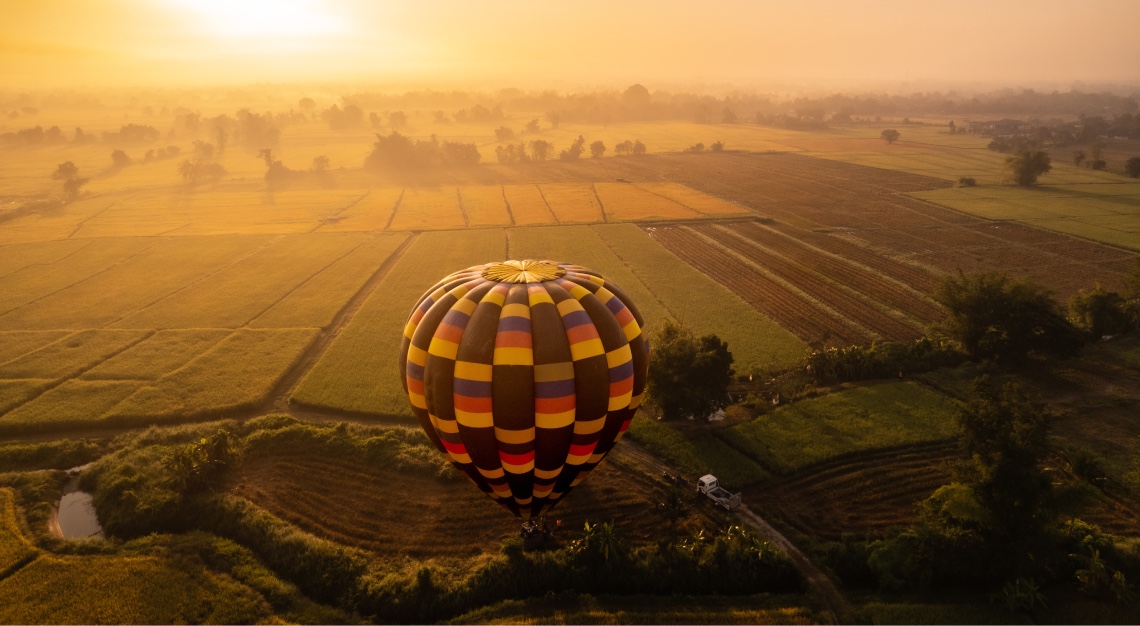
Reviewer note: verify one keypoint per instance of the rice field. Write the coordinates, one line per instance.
(528, 206)
(96, 589)
(865, 417)
(157, 355)
(696, 452)
(625, 202)
(484, 205)
(572, 203)
(372, 212)
(14, 548)
(358, 372)
(692, 199)
(429, 208)
(71, 355)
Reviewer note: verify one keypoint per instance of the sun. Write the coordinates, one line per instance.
(261, 19)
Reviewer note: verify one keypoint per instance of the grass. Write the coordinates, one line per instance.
(128, 285)
(428, 208)
(527, 205)
(246, 287)
(585, 609)
(34, 282)
(157, 355)
(14, 548)
(237, 373)
(317, 301)
(691, 198)
(572, 203)
(70, 355)
(13, 393)
(371, 212)
(1104, 212)
(74, 403)
(358, 373)
(861, 418)
(701, 303)
(696, 452)
(18, 256)
(484, 205)
(17, 343)
(625, 203)
(98, 589)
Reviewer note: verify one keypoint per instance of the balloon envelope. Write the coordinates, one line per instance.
(524, 374)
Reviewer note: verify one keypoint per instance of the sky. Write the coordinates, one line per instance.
(537, 43)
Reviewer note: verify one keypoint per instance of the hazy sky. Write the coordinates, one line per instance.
(537, 42)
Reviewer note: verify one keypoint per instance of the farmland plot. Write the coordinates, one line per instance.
(247, 287)
(73, 403)
(71, 355)
(484, 205)
(157, 355)
(371, 212)
(133, 283)
(16, 257)
(358, 373)
(236, 374)
(17, 343)
(692, 199)
(14, 548)
(701, 303)
(428, 208)
(15, 392)
(528, 205)
(625, 203)
(572, 203)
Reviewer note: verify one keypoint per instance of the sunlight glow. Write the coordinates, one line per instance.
(258, 19)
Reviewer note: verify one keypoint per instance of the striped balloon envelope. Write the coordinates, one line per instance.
(525, 374)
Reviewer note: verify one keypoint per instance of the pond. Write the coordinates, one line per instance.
(76, 513)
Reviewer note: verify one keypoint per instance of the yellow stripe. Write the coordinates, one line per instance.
(632, 330)
(417, 400)
(466, 305)
(589, 427)
(555, 495)
(595, 279)
(619, 356)
(542, 474)
(597, 458)
(618, 403)
(542, 493)
(459, 292)
(579, 292)
(585, 349)
(502, 491)
(538, 296)
(552, 372)
(473, 371)
(491, 474)
(410, 329)
(443, 348)
(523, 501)
(554, 420)
(514, 356)
(635, 401)
(515, 309)
(475, 420)
(495, 296)
(519, 469)
(577, 459)
(417, 356)
(568, 306)
(579, 479)
(465, 459)
(526, 435)
(446, 426)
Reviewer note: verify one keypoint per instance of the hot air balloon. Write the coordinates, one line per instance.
(525, 374)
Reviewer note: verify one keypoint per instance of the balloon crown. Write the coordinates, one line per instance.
(525, 271)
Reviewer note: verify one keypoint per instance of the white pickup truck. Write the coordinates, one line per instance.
(709, 486)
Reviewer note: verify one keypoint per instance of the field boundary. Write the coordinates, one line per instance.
(507, 203)
(542, 195)
(395, 209)
(601, 205)
(462, 209)
(340, 211)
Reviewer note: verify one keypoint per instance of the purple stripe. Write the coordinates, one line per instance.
(458, 319)
(472, 388)
(614, 305)
(575, 318)
(449, 437)
(554, 389)
(621, 372)
(415, 372)
(514, 322)
(427, 304)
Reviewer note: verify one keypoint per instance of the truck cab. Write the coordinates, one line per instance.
(710, 486)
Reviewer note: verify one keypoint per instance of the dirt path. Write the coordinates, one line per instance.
(828, 594)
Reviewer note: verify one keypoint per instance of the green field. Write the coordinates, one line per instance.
(14, 548)
(696, 453)
(865, 417)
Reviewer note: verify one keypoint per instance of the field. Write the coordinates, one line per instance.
(584, 609)
(14, 548)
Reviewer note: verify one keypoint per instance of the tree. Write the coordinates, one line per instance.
(638, 147)
(688, 376)
(890, 135)
(503, 133)
(717, 146)
(532, 126)
(64, 171)
(554, 117)
(1078, 157)
(120, 159)
(597, 149)
(320, 164)
(574, 151)
(1132, 167)
(624, 147)
(307, 104)
(728, 116)
(1100, 312)
(71, 187)
(994, 318)
(540, 149)
(397, 119)
(1026, 166)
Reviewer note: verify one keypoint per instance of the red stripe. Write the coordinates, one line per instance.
(624, 426)
(415, 386)
(448, 332)
(584, 332)
(472, 405)
(583, 449)
(517, 459)
(554, 405)
(513, 339)
(621, 387)
(454, 448)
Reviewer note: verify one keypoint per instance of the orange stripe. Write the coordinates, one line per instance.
(449, 332)
(582, 332)
(513, 339)
(472, 405)
(554, 405)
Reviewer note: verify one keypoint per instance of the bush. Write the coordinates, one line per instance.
(966, 181)
(880, 360)
(1100, 312)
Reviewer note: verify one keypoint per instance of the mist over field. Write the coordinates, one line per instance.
(338, 311)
